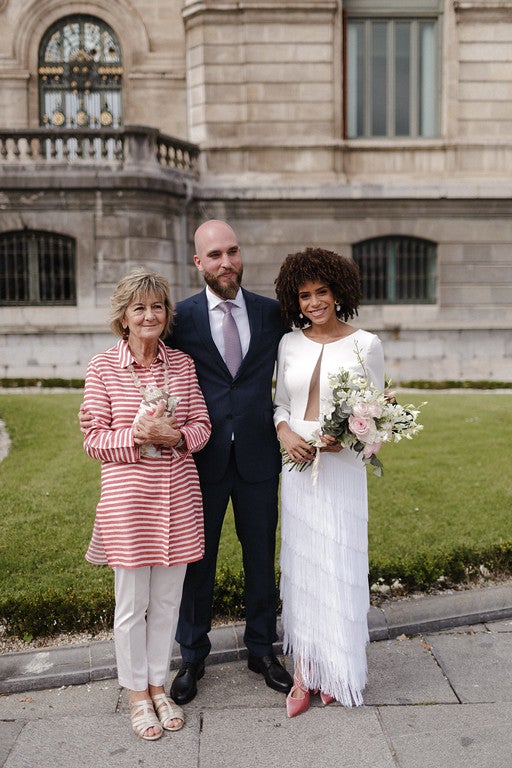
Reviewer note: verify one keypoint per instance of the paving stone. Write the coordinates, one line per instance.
(344, 738)
(478, 666)
(454, 736)
(405, 672)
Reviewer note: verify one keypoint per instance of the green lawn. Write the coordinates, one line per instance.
(449, 490)
(450, 486)
(48, 492)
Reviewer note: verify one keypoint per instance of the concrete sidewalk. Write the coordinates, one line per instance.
(439, 695)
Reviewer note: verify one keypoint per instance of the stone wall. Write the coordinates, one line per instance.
(258, 85)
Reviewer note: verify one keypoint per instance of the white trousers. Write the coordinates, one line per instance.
(145, 619)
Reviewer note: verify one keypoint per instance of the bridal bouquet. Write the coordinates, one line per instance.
(362, 418)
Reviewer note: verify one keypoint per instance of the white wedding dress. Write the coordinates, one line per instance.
(324, 541)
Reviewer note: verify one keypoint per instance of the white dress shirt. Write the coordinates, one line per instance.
(239, 313)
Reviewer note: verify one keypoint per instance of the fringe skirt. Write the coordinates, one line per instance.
(324, 572)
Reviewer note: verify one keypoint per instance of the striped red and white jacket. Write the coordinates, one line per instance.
(150, 510)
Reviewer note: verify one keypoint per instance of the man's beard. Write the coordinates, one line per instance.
(227, 290)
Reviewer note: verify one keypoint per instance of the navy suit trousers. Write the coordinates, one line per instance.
(255, 513)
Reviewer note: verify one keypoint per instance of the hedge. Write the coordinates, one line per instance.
(413, 384)
(53, 612)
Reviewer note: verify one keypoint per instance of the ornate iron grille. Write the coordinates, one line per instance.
(80, 75)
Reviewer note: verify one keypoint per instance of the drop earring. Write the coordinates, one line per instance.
(338, 307)
(301, 315)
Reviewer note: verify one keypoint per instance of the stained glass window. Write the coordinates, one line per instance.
(80, 75)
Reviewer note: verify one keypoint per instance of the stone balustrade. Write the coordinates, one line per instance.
(122, 148)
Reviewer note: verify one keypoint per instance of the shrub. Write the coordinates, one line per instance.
(40, 383)
(53, 612)
(425, 571)
(228, 595)
(451, 384)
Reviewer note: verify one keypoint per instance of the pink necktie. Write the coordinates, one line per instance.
(232, 346)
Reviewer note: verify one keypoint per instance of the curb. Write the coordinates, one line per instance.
(82, 664)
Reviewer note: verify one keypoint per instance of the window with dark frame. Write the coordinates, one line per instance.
(392, 69)
(397, 269)
(37, 268)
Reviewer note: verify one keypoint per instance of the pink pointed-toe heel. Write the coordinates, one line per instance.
(326, 699)
(297, 704)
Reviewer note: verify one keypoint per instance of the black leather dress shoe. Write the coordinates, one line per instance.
(184, 685)
(275, 674)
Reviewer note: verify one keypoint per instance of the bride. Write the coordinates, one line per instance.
(324, 548)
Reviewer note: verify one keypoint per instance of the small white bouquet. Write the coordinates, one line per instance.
(153, 396)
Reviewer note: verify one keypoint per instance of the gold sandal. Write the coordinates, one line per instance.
(167, 711)
(143, 718)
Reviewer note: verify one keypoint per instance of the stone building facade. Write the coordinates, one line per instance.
(378, 129)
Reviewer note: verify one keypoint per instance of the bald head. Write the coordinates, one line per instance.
(210, 231)
(218, 257)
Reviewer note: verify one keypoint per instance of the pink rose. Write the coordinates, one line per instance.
(370, 449)
(359, 426)
(367, 410)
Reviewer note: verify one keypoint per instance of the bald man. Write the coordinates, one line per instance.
(240, 462)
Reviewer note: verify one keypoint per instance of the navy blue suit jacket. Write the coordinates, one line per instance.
(241, 406)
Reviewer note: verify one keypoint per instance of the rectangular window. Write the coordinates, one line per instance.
(397, 270)
(392, 76)
(36, 268)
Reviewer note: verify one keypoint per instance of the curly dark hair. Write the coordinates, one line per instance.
(340, 273)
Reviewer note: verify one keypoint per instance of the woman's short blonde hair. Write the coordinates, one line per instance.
(135, 286)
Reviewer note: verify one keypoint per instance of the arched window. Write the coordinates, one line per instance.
(397, 269)
(37, 268)
(80, 75)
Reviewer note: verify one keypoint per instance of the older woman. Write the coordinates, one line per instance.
(324, 548)
(149, 416)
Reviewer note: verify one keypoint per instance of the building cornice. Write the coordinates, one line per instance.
(197, 7)
(482, 5)
(482, 10)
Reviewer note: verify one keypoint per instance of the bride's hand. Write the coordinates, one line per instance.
(295, 446)
(331, 445)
